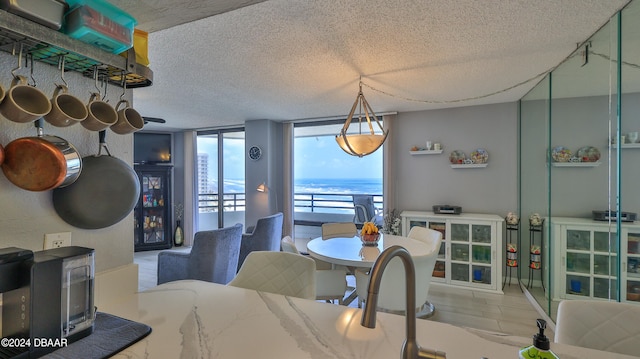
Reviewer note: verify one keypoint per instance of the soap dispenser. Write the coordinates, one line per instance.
(540, 347)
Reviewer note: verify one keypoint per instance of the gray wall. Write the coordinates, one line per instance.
(268, 136)
(27, 216)
(426, 180)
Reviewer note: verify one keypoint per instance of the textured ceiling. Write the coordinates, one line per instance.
(300, 59)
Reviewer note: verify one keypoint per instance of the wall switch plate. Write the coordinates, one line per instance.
(57, 240)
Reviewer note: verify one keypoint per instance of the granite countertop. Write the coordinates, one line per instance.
(194, 319)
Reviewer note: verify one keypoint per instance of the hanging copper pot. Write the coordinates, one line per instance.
(41, 163)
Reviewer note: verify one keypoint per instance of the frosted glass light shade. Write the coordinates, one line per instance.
(361, 144)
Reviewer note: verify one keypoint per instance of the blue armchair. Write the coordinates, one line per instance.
(213, 257)
(265, 236)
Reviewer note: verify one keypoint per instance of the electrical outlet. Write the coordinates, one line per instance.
(57, 240)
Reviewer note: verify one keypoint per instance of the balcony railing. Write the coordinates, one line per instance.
(303, 202)
(232, 202)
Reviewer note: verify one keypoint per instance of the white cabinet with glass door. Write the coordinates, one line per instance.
(588, 260)
(469, 255)
(631, 265)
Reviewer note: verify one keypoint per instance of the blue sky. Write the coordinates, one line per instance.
(314, 157)
(321, 157)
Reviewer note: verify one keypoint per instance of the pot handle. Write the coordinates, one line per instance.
(103, 143)
(38, 124)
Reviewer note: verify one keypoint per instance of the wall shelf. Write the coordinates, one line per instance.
(471, 165)
(576, 164)
(47, 45)
(426, 152)
(626, 145)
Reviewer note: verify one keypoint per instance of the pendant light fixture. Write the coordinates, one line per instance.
(361, 144)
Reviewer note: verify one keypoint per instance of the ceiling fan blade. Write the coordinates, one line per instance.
(153, 119)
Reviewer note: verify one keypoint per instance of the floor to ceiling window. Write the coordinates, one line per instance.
(221, 184)
(326, 178)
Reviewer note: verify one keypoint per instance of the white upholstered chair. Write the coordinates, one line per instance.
(333, 230)
(391, 297)
(331, 284)
(278, 272)
(338, 229)
(607, 326)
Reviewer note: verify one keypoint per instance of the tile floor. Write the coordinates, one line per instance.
(510, 312)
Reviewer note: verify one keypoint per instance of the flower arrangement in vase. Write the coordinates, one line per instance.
(369, 234)
(392, 223)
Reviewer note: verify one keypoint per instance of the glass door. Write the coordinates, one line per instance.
(221, 181)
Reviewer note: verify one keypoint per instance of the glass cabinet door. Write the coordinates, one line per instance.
(153, 212)
(591, 263)
(632, 285)
(153, 208)
(471, 252)
(440, 268)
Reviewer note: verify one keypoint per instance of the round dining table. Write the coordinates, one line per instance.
(350, 251)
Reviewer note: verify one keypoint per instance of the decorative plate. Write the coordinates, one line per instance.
(457, 157)
(561, 154)
(480, 156)
(588, 154)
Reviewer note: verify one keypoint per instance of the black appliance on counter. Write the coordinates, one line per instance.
(613, 215)
(47, 298)
(446, 209)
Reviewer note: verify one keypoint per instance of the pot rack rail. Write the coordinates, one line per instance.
(47, 45)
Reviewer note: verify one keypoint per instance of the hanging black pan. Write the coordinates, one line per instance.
(106, 191)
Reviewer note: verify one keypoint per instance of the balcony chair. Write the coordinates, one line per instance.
(283, 273)
(331, 284)
(213, 257)
(607, 326)
(365, 210)
(265, 236)
(391, 297)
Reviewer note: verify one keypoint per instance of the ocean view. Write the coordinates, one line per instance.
(328, 195)
(339, 185)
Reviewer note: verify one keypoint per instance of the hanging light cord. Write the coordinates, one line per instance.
(461, 99)
(636, 66)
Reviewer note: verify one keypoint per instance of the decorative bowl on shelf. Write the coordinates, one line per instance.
(588, 154)
(480, 156)
(561, 154)
(457, 157)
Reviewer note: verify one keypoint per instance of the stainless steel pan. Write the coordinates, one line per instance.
(105, 193)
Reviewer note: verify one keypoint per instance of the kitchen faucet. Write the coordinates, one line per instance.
(410, 348)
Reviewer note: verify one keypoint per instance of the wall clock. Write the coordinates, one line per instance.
(255, 153)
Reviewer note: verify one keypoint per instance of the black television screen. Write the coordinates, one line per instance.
(151, 147)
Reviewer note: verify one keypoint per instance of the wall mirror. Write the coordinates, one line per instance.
(569, 168)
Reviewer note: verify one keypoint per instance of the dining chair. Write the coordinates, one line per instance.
(391, 297)
(603, 325)
(331, 284)
(333, 230)
(212, 258)
(278, 272)
(338, 229)
(264, 236)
